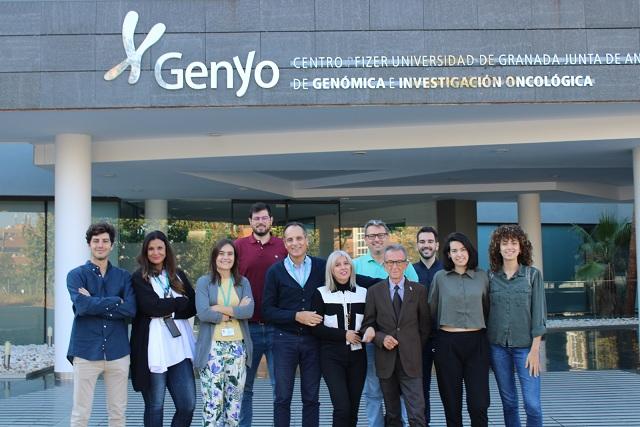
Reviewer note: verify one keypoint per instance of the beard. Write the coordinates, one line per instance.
(424, 256)
(261, 233)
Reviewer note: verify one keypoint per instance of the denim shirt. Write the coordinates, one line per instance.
(100, 329)
(518, 307)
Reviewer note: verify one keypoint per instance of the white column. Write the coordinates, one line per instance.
(72, 218)
(529, 220)
(636, 210)
(156, 212)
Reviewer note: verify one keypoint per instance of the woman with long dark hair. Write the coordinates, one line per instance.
(343, 360)
(459, 300)
(224, 304)
(517, 323)
(162, 341)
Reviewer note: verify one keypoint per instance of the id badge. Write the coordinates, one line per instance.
(355, 347)
(227, 332)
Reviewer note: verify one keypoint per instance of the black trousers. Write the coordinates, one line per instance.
(344, 372)
(427, 366)
(463, 357)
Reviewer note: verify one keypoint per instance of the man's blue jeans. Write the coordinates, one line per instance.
(290, 351)
(180, 381)
(503, 362)
(372, 391)
(262, 338)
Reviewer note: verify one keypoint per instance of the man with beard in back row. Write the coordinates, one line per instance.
(256, 253)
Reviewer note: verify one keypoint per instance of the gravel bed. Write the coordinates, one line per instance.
(27, 358)
(569, 323)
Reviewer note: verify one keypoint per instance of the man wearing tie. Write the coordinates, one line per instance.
(397, 310)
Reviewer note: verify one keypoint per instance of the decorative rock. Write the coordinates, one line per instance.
(587, 323)
(26, 359)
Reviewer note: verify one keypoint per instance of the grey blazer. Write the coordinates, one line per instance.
(206, 296)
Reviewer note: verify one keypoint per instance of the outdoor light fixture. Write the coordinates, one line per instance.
(49, 336)
(7, 355)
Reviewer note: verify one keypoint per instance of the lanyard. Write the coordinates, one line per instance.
(165, 283)
(226, 296)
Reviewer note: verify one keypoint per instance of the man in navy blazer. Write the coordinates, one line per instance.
(288, 292)
(397, 310)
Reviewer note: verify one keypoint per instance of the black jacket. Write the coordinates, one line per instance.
(151, 305)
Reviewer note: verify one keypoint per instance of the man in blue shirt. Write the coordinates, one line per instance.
(376, 235)
(429, 264)
(289, 287)
(103, 299)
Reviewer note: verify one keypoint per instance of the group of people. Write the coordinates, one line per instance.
(372, 327)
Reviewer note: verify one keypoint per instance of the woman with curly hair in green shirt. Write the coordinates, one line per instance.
(517, 319)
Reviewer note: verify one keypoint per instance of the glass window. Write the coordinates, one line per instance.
(192, 228)
(22, 272)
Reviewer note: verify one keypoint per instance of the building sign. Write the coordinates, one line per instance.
(198, 75)
(458, 61)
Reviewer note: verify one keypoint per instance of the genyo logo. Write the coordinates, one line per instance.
(195, 70)
(134, 56)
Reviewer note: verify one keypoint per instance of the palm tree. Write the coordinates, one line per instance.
(603, 249)
(632, 275)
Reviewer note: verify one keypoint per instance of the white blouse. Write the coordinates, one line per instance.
(164, 350)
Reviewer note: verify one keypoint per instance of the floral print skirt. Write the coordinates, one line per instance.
(223, 383)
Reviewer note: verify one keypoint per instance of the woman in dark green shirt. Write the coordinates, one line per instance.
(516, 323)
(459, 300)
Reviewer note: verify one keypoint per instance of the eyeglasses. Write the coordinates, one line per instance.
(261, 218)
(378, 235)
(398, 263)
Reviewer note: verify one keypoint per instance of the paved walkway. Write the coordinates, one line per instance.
(578, 398)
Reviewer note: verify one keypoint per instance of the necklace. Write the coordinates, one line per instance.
(347, 313)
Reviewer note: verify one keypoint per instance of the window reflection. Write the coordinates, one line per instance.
(592, 349)
(22, 272)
